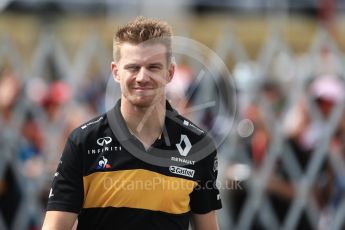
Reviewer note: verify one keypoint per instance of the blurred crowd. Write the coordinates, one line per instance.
(299, 134)
(36, 117)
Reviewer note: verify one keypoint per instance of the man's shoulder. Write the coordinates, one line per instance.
(88, 128)
(94, 123)
(200, 139)
(195, 133)
(190, 126)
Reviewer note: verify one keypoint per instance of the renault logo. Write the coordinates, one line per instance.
(187, 145)
(104, 141)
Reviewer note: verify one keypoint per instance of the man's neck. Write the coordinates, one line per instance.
(146, 123)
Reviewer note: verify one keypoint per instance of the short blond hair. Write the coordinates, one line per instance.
(143, 30)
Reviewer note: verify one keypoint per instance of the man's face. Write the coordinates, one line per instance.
(143, 73)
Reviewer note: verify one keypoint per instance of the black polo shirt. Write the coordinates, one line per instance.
(108, 178)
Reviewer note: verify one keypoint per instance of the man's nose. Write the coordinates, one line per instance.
(143, 75)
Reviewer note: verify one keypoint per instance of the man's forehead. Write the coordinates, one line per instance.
(143, 52)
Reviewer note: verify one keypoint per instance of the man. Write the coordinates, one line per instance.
(104, 177)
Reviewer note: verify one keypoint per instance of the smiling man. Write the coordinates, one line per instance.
(106, 178)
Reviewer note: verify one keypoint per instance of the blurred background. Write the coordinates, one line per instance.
(282, 150)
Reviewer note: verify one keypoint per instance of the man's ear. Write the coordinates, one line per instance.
(114, 71)
(171, 72)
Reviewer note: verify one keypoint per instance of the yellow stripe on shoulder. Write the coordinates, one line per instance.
(138, 188)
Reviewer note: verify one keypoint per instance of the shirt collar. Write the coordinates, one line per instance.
(119, 127)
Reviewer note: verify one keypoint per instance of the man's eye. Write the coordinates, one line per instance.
(155, 68)
(133, 68)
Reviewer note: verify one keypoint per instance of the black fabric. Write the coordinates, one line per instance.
(67, 192)
(130, 219)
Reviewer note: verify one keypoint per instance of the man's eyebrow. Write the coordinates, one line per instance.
(131, 65)
(156, 64)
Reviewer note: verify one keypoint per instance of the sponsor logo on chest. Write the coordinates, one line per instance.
(182, 171)
(183, 148)
(104, 146)
(182, 160)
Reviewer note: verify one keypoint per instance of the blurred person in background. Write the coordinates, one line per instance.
(92, 95)
(78, 190)
(328, 91)
(178, 89)
(253, 147)
(57, 94)
(303, 136)
(31, 147)
(10, 92)
(252, 151)
(58, 123)
(22, 145)
(55, 106)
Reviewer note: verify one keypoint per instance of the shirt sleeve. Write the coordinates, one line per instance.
(205, 196)
(67, 192)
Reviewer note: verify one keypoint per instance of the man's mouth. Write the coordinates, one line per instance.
(142, 88)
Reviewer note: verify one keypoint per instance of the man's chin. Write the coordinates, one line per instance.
(143, 103)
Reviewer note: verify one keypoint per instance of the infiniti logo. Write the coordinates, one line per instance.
(104, 141)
